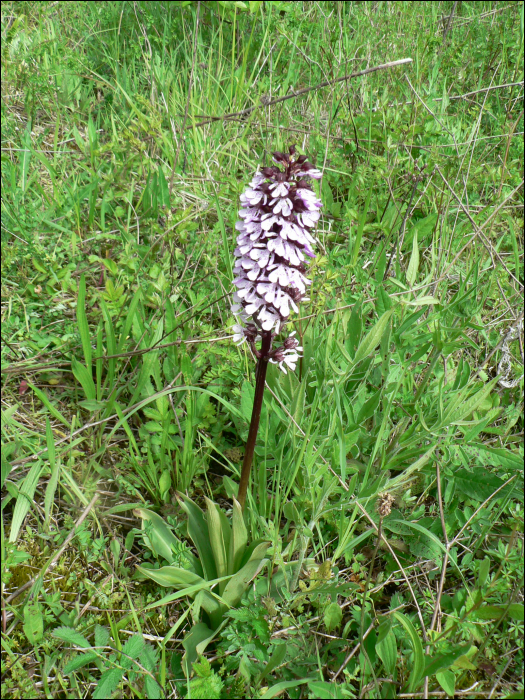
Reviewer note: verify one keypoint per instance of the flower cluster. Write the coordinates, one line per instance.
(279, 210)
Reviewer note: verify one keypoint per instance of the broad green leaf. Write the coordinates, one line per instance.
(413, 265)
(219, 531)
(386, 649)
(83, 375)
(416, 673)
(480, 484)
(24, 501)
(441, 662)
(69, 635)
(332, 616)
(420, 301)
(199, 635)
(495, 612)
(33, 622)
(108, 683)
(162, 541)
(101, 636)
(198, 531)
(423, 530)
(447, 680)
(275, 660)
(133, 648)
(172, 576)
(278, 688)
(468, 407)
(356, 245)
(238, 584)
(128, 322)
(238, 540)
(323, 690)
(373, 337)
(79, 661)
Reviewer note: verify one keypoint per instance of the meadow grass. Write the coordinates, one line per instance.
(388, 467)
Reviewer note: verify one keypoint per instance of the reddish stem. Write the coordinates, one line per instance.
(260, 378)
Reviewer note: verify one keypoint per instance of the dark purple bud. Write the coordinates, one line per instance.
(268, 172)
(301, 159)
(292, 150)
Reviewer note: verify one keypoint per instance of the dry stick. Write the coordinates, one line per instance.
(451, 15)
(57, 555)
(383, 66)
(448, 546)
(262, 366)
(352, 653)
(23, 460)
(498, 346)
(394, 555)
(479, 230)
(289, 415)
(190, 86)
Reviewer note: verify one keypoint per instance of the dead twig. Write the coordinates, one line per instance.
(242, 112)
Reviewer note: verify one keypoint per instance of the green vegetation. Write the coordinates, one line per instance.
(381, 550)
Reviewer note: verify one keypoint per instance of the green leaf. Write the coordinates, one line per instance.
(482, 486)
(468, 407)
(108, 683)
(219, 531)
(326, 691)
(447, 680)
(238, 584)
(55, 468)
(161, 540)
(369, 407)
(413, 265)
(47, 403)
(278, 688)
(275, 660)
(441, 662)
(101, 636)
(33, 622)
(416, 673)
(24, 500)
(359, 233)
(83, 375)
(332, 616)
(373, 337)
(79, 661)
(420, 301)
(82, 322)
(484, 569)
(128, 322)
(199, 636)
(225, 242)
(386, 649)
(69, 635)
(495, 612)
(239, 538)
(198, 531)
(133, 648)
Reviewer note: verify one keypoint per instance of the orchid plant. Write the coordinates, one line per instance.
(275, 242)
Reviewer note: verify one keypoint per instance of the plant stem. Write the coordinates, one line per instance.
(260, 378)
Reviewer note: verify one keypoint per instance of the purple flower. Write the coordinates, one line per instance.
(273, 246)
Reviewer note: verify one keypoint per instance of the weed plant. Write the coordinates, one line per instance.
(385, 507)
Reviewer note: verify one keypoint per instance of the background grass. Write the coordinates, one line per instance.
(121, 174)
